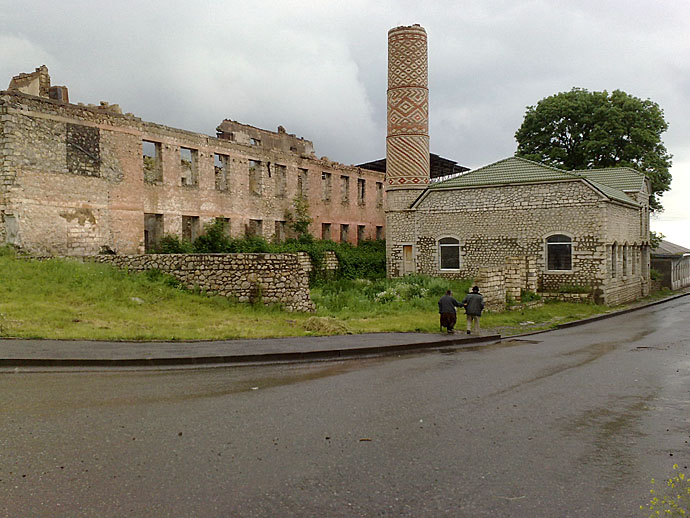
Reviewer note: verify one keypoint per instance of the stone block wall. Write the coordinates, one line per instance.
(496, 223)
(520, 274)
(73, 179)
(267, 278)
(330, 261)
(492, 285)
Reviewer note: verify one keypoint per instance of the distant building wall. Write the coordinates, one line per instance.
(78, 179)
(675, 271)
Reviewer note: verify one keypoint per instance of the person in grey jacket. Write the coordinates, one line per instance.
(473, 304)
(446, 307)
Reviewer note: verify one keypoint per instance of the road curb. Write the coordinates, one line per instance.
(620, 312)
(259, 358)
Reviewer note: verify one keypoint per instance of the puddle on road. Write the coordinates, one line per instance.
(610, 430)
(88, 389)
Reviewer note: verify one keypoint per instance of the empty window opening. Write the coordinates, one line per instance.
(614, 260)
(255, 228)
(255, 177)
(344, 233)
(279, 234)
(189, 174)
(345, 189)
(326, 231)
(379, 195)
(191, 228)
(361, 191)
(559, 252)
(153, 231)
(153, 165)
(255, 141)
(302, 183)
(220, 166)
(361, 233)
(449, 253)
(326, 186)
(83, 150)
(281, 180)
(379, 232)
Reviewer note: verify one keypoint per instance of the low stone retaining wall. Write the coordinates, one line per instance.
(568, 297)
(268, 278)
(526, 305)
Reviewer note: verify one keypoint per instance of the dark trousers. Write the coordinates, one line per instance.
(448, 320)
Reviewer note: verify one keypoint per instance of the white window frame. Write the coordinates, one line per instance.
(546, 251)
(440, 247)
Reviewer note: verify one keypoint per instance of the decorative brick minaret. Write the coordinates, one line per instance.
(407, 142)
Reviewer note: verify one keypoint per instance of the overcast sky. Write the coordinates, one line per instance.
(319, 68)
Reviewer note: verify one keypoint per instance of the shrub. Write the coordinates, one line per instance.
(171, 244)
(528, 296)
(671, 498)
(298, 219)
(655, 274)
(213, 240)
(574, 288)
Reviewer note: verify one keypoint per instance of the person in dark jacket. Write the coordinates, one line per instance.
(473, 304)
(446, 307)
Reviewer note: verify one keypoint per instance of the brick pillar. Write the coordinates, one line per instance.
(407, 141)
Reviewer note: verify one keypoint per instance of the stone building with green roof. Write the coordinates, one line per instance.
(527, 226)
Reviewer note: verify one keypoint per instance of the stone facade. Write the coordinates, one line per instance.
(505, 225)
(266, 278)
(78, 179)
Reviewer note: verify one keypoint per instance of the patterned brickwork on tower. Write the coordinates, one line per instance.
(407, 143)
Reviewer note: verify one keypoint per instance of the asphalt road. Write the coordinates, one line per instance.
(573, 422)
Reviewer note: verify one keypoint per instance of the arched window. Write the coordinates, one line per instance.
(625, 260)
(449, 253)
(559, 252)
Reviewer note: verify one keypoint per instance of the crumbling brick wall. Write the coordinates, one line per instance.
(73, 177)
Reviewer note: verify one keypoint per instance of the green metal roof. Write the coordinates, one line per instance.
(621, 178)
(516, 170)
(506, 171)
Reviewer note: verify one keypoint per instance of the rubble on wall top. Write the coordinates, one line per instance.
(106, 107)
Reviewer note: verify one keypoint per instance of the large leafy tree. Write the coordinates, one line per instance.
(582, 130)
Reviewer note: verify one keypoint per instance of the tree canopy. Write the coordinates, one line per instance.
(583, 130)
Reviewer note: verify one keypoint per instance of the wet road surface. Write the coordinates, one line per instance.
(573, 422)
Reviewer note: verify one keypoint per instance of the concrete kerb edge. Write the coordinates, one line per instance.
(599, 317)
(620, 312)
(266, 358)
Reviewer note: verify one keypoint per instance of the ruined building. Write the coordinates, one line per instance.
(80, 180)
(514, 225)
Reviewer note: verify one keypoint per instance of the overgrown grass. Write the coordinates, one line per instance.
(70, 300)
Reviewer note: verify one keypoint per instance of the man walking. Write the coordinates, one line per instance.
(446, 307)
(473, 304)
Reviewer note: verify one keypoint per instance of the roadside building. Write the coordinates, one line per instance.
(517, 225)
(673, 263)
